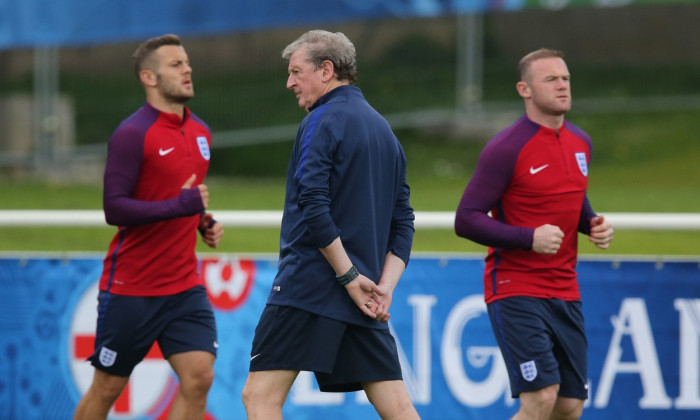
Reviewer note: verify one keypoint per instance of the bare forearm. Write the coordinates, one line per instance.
(337, 257)
(392, 271)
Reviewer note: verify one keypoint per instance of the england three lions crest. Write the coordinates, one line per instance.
(203, 147)
(107, 357)
(582, 164)
(529, 370)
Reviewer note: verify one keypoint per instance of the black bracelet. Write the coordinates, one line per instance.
(347, 277)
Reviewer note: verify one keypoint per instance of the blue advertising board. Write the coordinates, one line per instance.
(642, 320)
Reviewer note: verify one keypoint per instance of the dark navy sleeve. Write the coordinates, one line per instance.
(312, 176)
(124, 155)
(483, 192)
(402, 229)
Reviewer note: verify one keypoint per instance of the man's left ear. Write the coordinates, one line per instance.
(148, 78)
(328, 70)
(523, 89)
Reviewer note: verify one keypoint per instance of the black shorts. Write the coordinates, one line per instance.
(341, 355)
(127, 327)
(543, 343)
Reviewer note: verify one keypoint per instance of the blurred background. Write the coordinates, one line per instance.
(442, 72)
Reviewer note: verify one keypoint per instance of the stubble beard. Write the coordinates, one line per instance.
(176, 97)
(172, 94)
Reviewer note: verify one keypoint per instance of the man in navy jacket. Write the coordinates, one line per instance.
(345, 241)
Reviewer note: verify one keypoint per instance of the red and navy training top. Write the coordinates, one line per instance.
(150, 156)
(527, 176)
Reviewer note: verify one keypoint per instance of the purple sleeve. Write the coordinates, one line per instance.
(484, 190)
(212, 222)
(124, 155)
(587, 213)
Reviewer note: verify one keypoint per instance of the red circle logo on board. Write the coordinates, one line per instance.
(228, 281)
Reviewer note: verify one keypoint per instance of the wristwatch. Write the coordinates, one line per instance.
(347, 277)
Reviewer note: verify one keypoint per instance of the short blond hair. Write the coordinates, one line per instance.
(526, 62)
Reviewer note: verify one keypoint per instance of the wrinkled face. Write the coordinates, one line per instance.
(174, 74)
(304, 79)
(548, 86)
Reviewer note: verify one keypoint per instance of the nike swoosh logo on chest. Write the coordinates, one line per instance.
(165, 152)
(538, 169)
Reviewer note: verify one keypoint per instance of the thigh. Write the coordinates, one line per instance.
(270, 386)
(391, 399)
(193, 366)
(191, 325)
(365, 355)
(109, 384)
(525, 339)
(539, 404)
(292, 339)
(568, 408)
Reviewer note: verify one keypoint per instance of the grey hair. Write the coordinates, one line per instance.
(323, 45)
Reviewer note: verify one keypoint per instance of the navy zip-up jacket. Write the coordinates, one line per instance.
(347, 178)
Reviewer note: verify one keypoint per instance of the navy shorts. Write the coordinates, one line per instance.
(127, 327)
(543, 343)
(341, 355)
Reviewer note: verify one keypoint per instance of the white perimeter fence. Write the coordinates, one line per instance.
(273, 218)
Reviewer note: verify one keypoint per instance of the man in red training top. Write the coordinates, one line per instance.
(533, 177)
(150, 289)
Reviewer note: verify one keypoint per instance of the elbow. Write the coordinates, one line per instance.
(460, 228)
(111, 218)
(462, 234)
(110, 212)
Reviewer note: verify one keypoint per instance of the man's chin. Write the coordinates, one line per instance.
(561, 110)
(182, 99)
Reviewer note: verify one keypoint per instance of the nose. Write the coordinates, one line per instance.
(290, 82)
